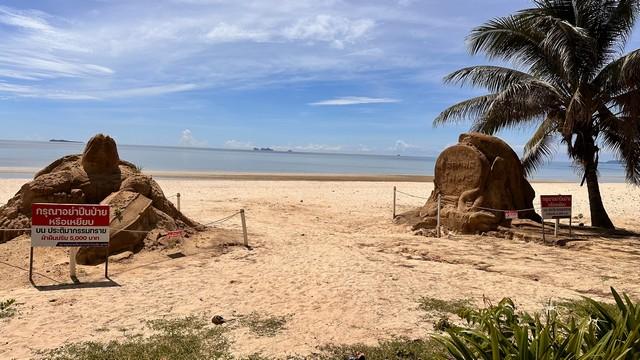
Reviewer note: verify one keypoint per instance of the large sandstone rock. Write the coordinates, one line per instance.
(478, 174)
(99, 176)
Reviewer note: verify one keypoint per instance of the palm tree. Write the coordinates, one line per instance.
(570, 79)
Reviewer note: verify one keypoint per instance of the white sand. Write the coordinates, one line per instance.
(325, 253)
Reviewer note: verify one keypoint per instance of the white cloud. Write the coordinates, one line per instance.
(354, 100)
(224, 32)
(318, 147)
(402, 146)
(333, 29)
(187, 139)
(235, 144)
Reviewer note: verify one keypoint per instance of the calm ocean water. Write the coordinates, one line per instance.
(33, 154)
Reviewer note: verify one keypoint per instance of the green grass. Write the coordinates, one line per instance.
(264, 325)
(185, 338)
(398, 348)
(8, 308)
(433, 305)
(580, 307)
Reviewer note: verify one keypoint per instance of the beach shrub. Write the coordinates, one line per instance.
(7, 308)
(185, 338)
(264, 325)
(594, 332)
(397, 348)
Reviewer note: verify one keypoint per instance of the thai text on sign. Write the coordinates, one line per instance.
(69, 225)
(555, 206)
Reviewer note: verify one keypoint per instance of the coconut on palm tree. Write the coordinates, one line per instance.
(570, 78)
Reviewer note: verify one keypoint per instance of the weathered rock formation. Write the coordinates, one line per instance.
(140, 213)
(476, 175)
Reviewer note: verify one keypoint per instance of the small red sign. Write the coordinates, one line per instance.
(174, 233)
(511, 214)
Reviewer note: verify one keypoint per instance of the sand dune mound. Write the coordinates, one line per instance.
(476, 179)
(140, 212)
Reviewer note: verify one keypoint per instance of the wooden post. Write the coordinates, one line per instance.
(394, 202)
(555, 231)
(438, 232)
(543, 238)
(244, 228)
(178, 200)
(72, 262)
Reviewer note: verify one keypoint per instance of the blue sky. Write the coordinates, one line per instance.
(308, 75)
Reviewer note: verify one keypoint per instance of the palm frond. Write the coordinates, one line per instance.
(492, 78)
(540, 147)
(621, 134)
(620, 17)
(518, 105)
(465, 110)
(619, 75)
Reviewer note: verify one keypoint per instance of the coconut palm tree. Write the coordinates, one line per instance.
(570, 80)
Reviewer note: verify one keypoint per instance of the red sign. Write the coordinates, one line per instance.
(69, 225)
(174, 233)
(511, 214)
(555, 206)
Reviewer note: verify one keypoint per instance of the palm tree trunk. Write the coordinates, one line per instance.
(599, 216)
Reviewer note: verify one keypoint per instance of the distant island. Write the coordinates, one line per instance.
(614, 162)
(262, 149)
(65, 141)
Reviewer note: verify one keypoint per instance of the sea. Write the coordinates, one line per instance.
(38, 154)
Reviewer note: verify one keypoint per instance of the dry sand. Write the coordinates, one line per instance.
(325, 253)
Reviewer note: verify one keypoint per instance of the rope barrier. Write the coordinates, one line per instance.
(490, 209)
(219, 221)
(224, 219)
(415, 196)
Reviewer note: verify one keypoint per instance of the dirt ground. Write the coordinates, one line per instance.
(324, 253)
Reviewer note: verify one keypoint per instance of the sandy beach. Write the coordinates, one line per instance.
(324, 253)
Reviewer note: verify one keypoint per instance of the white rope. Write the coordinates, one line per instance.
(490, 209)
(415, 196)
(219, 221)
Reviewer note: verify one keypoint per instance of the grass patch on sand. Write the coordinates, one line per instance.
(264, 325)
(8, 308)
(185, 338)
(398, 348)
(433, 305)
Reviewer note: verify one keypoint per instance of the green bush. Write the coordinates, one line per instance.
(502, 332)
(185, 338)
(7, 308)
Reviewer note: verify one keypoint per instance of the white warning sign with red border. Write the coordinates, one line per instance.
(69, 225)
(555, 206)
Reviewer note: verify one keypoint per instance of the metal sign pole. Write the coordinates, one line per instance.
(106, 264)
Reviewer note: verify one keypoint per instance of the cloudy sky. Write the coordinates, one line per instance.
(316, 75)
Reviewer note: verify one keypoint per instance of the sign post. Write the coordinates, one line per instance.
(69, 225)
(555, 207)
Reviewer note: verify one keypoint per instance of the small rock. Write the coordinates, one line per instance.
(218, 320)
(122, 256)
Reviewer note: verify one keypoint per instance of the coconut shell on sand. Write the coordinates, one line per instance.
(140, 212)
